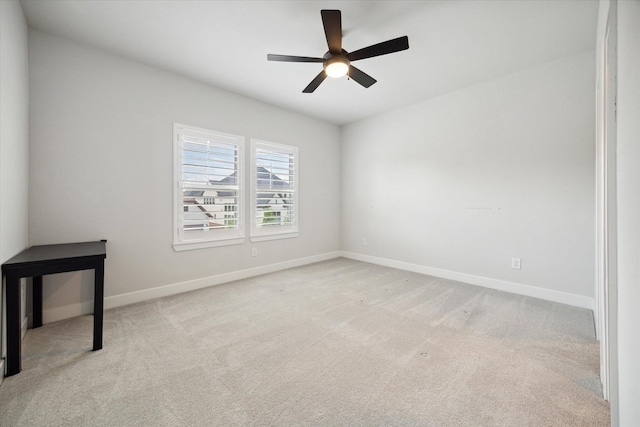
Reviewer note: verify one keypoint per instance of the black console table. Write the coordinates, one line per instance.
(49, 259)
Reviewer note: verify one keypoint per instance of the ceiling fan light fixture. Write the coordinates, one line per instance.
(336, 67)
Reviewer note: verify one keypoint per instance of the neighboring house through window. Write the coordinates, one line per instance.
(208, 188)
(274, 191)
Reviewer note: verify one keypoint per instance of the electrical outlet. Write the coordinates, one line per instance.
(364, 242)
(254, 251)
(515, 263)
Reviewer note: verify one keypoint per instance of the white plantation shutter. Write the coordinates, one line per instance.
(208, 199)
(274, 190)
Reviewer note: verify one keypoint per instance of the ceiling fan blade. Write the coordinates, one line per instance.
(332, 22)
(315, 82)
(289, 58)
(361, 77)
(390, 46)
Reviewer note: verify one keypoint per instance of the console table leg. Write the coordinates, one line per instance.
(14, 329)
(37, 301)
(98, 305)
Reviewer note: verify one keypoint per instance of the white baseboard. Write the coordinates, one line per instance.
(66, 311)
(24, 327)
(78, 309)
(23, 331)
(501, 285)
(72, 310)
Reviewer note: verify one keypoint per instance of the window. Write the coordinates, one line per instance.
(208, 192)
(274, 191)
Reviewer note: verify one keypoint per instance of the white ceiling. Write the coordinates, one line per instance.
(453, 44)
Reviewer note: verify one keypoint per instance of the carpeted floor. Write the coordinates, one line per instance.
(338, 343)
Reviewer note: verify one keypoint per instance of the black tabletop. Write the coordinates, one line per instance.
(45, 253)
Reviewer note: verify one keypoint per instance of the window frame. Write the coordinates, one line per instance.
(258, 234)
(208, 238)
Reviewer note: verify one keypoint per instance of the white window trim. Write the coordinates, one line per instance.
(258, 234)
(219, 237)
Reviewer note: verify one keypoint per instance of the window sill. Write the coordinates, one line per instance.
(188, 246)
(266, 237)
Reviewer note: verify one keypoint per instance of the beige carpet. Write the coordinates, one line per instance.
(338, 343)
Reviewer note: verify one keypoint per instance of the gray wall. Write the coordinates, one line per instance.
(14, 136)
(102, 168)
(458, 185)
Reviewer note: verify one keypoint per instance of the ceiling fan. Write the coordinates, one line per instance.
(337, 61)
